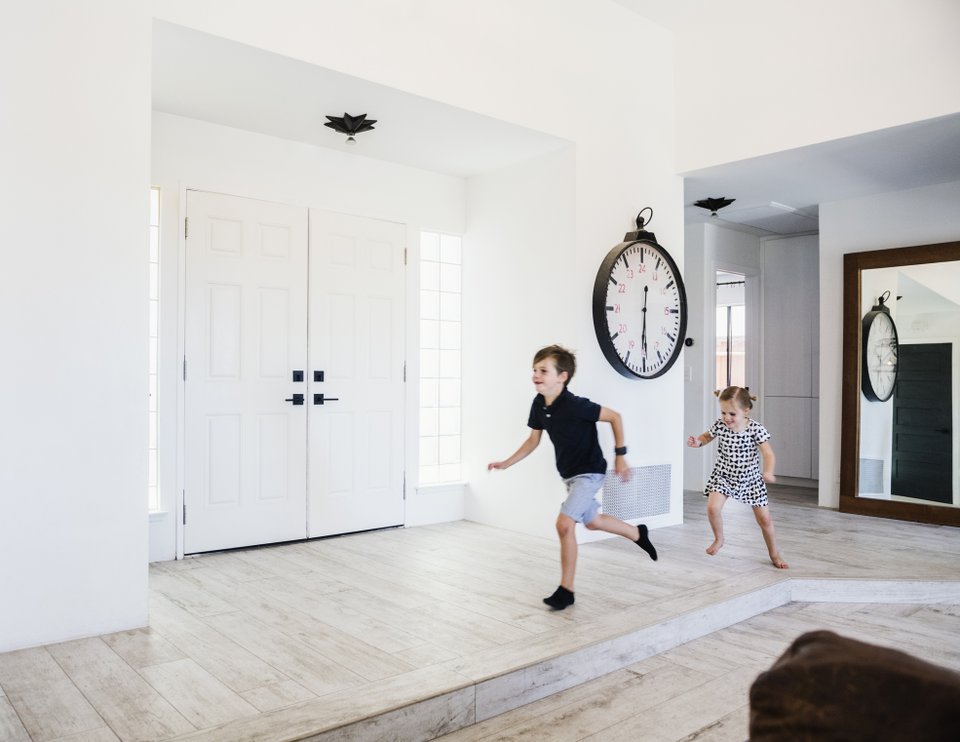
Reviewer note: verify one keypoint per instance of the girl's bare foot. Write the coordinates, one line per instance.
(714, 547)
(778, 561)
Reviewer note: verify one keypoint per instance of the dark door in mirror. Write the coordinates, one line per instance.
(922, 424)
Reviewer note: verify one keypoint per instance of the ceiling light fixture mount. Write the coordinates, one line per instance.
(713, 205)
(350, 125)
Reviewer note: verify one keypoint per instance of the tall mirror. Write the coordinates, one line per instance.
(900, 438)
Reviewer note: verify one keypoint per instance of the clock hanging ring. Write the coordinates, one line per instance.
(640, 305)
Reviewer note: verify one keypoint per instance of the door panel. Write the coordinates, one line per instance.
(245, 332)
(922, 409)
(357, 341)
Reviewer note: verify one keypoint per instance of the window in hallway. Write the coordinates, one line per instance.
(731, 330)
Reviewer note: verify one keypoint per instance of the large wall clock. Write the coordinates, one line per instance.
(640, 306)
(878, 373)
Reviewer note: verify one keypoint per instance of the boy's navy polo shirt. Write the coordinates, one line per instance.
(571, 423)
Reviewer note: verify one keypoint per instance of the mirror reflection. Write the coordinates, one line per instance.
(892, 444)
(909, 447)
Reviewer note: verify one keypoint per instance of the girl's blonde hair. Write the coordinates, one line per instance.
(740, 395)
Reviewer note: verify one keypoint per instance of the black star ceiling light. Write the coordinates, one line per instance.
(713, 205)
(350, 125)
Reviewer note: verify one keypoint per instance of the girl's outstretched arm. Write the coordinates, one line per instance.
(699, 440)
(526, 448)
(769, 461)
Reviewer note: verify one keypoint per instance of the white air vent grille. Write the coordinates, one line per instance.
(871, 476)
(646, 494)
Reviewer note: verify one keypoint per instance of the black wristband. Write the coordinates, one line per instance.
(620, 451)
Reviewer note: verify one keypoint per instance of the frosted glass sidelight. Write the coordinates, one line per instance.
(440, 343)
(450, 249)
(429, 276)
(429, 246)
(429, 305)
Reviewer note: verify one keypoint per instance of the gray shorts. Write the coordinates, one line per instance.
(581, 503)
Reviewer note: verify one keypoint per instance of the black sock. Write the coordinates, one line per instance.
(560, 599)
(643, 541)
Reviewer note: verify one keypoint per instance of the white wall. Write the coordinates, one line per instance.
(761, 77)
(920, 216)
(563, 67)
(74, 149)
(518, 265)
(189, 154)
(699, 279)
(195, 154)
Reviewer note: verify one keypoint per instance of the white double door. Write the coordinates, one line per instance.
(284, 301)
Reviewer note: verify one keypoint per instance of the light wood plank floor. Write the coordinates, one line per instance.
(699, 691)
(240, 643)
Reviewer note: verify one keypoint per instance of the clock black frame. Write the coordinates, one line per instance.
(600, 288)
(866, 385)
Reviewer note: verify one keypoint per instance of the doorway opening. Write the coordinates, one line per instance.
(731, 330)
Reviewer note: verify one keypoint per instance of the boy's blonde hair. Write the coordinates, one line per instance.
(563, 359)
(740, 395)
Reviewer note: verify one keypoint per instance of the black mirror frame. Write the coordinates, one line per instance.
(850, 502)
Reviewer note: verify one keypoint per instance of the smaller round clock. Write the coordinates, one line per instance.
(639, 306)
(878, 375)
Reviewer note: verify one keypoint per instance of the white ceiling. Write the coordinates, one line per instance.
(919, 298)
(768, 188)
(213, 79)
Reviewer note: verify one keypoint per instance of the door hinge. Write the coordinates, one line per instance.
(404, 486)
(186, 227)
(184, 507)
(404, 372)
(404, 256)
(184, 368)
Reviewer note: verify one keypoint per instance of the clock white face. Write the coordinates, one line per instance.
(880, 352)
(643, 310)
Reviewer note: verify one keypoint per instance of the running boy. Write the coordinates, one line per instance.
(571, 423)
(737, 471)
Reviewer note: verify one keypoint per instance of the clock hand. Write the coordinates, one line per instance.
(643, 328)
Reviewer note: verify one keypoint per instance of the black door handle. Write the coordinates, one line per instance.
(320, 399)
(296, 399)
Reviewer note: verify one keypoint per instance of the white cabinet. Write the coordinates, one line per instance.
(791, 299)
(790, 423)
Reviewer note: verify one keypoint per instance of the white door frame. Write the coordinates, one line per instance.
(753, 296)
